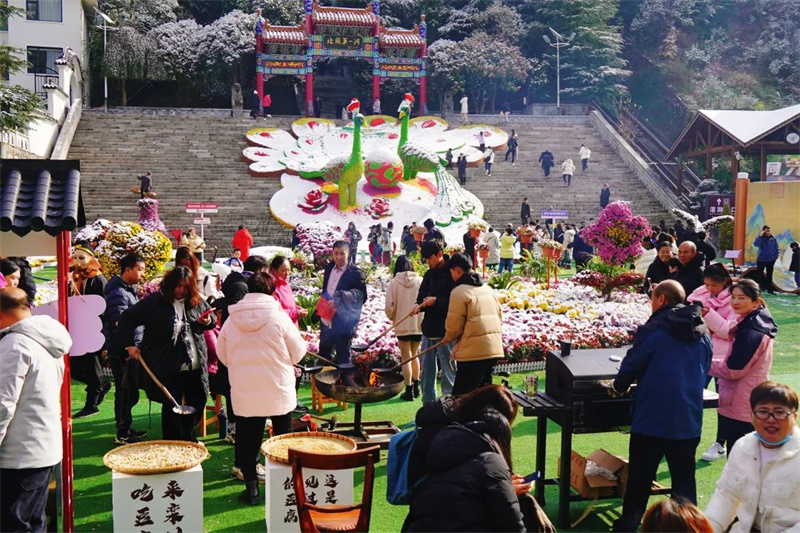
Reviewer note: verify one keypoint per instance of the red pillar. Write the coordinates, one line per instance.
(376, 65)
(259, 63)
(309, 65)
(67, 505)
(423, 80)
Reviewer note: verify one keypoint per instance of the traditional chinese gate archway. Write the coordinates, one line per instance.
(341, 32)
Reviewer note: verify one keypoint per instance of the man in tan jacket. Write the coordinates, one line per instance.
(475, 321)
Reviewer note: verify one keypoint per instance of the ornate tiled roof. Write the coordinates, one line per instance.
(284, 34)
(40, 195)
(342, 16)
(400, 37)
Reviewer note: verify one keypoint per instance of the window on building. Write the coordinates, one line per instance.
(3, 20)
(42, 60)
(45, 10)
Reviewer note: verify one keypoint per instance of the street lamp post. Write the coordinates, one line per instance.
(560, 42)
(106, 21)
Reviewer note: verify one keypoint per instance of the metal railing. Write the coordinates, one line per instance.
(655, 152)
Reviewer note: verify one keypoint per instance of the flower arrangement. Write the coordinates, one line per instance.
(478, 225)
(315, 201)
(548, 244)
(316, 239)
(617, 235)
(526, 230)
(605, 283)
(379, 208)
(482, 246)
(454, 249)
(417, 229)
(113, 241)
(148, 216)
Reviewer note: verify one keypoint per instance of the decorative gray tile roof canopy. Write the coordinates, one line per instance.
(40, 195)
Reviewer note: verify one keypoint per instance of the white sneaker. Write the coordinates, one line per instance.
(715, 452)
(261, 473)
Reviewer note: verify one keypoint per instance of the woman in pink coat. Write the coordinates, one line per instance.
(280, 268)
(748, 363)
(260, 346)
(715, 296)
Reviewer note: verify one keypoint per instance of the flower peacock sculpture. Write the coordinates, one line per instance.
(345, 171)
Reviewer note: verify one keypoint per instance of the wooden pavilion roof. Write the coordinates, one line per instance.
(727, 130)
(284, 34)
(401, 37)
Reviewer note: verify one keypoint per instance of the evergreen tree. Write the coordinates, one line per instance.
(18, 106)
(592, 67)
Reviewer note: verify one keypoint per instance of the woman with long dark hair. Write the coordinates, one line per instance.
(206, 283)
(173, 346)
(747, 365)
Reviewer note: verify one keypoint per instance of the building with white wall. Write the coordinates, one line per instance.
(47, 28)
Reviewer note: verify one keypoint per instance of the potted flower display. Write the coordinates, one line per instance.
(418, 232)
(483, 249)
(550, 248)
(526, 234)
(476, 227)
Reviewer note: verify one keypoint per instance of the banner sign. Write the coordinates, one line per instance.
(199, 207)
(342, 42)
(715, 204)
(555, 213)
(392, 70)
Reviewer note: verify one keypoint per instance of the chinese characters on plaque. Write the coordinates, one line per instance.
(167, 503)
(322, 488)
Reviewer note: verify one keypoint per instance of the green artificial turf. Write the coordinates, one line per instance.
(93, 437)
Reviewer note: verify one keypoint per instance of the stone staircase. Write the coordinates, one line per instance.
(198, 159)
(502, 194)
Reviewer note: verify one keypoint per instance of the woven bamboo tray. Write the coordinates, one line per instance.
(277, 448)
(153, 457)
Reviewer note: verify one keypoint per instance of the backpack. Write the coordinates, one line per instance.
(398, 491)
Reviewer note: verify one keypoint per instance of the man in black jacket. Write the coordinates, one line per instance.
(344, 287)
(704, 248)
(120, 294)
(433, 299)
(235, 285)
(690, 274)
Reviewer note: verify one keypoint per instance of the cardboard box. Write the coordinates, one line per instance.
(597, 486)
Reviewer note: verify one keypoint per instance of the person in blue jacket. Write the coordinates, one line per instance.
(669, 360)
(767, 255)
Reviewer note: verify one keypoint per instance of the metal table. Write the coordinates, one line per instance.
(545, 407)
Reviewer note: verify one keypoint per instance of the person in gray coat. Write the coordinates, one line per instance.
(31, 372)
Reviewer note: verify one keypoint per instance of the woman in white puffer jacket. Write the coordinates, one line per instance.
(760, 485)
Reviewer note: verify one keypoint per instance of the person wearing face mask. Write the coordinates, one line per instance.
(749, 361)
(173, 348)
(715, 297)
(759, 490)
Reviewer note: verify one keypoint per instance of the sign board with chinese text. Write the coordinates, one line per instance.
(202, 221)
(158, 503)
(555, 213)
(342, 42)
(200, 207)
(322, 487)
(715, 204)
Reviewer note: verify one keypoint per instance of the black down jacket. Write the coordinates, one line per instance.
(468, 487)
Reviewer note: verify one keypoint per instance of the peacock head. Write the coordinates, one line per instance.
(405, 105)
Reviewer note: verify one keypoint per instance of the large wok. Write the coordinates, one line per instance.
(391, 385)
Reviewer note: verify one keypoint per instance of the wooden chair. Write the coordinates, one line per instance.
(318, 399)
(330, 518)
(208, 420)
